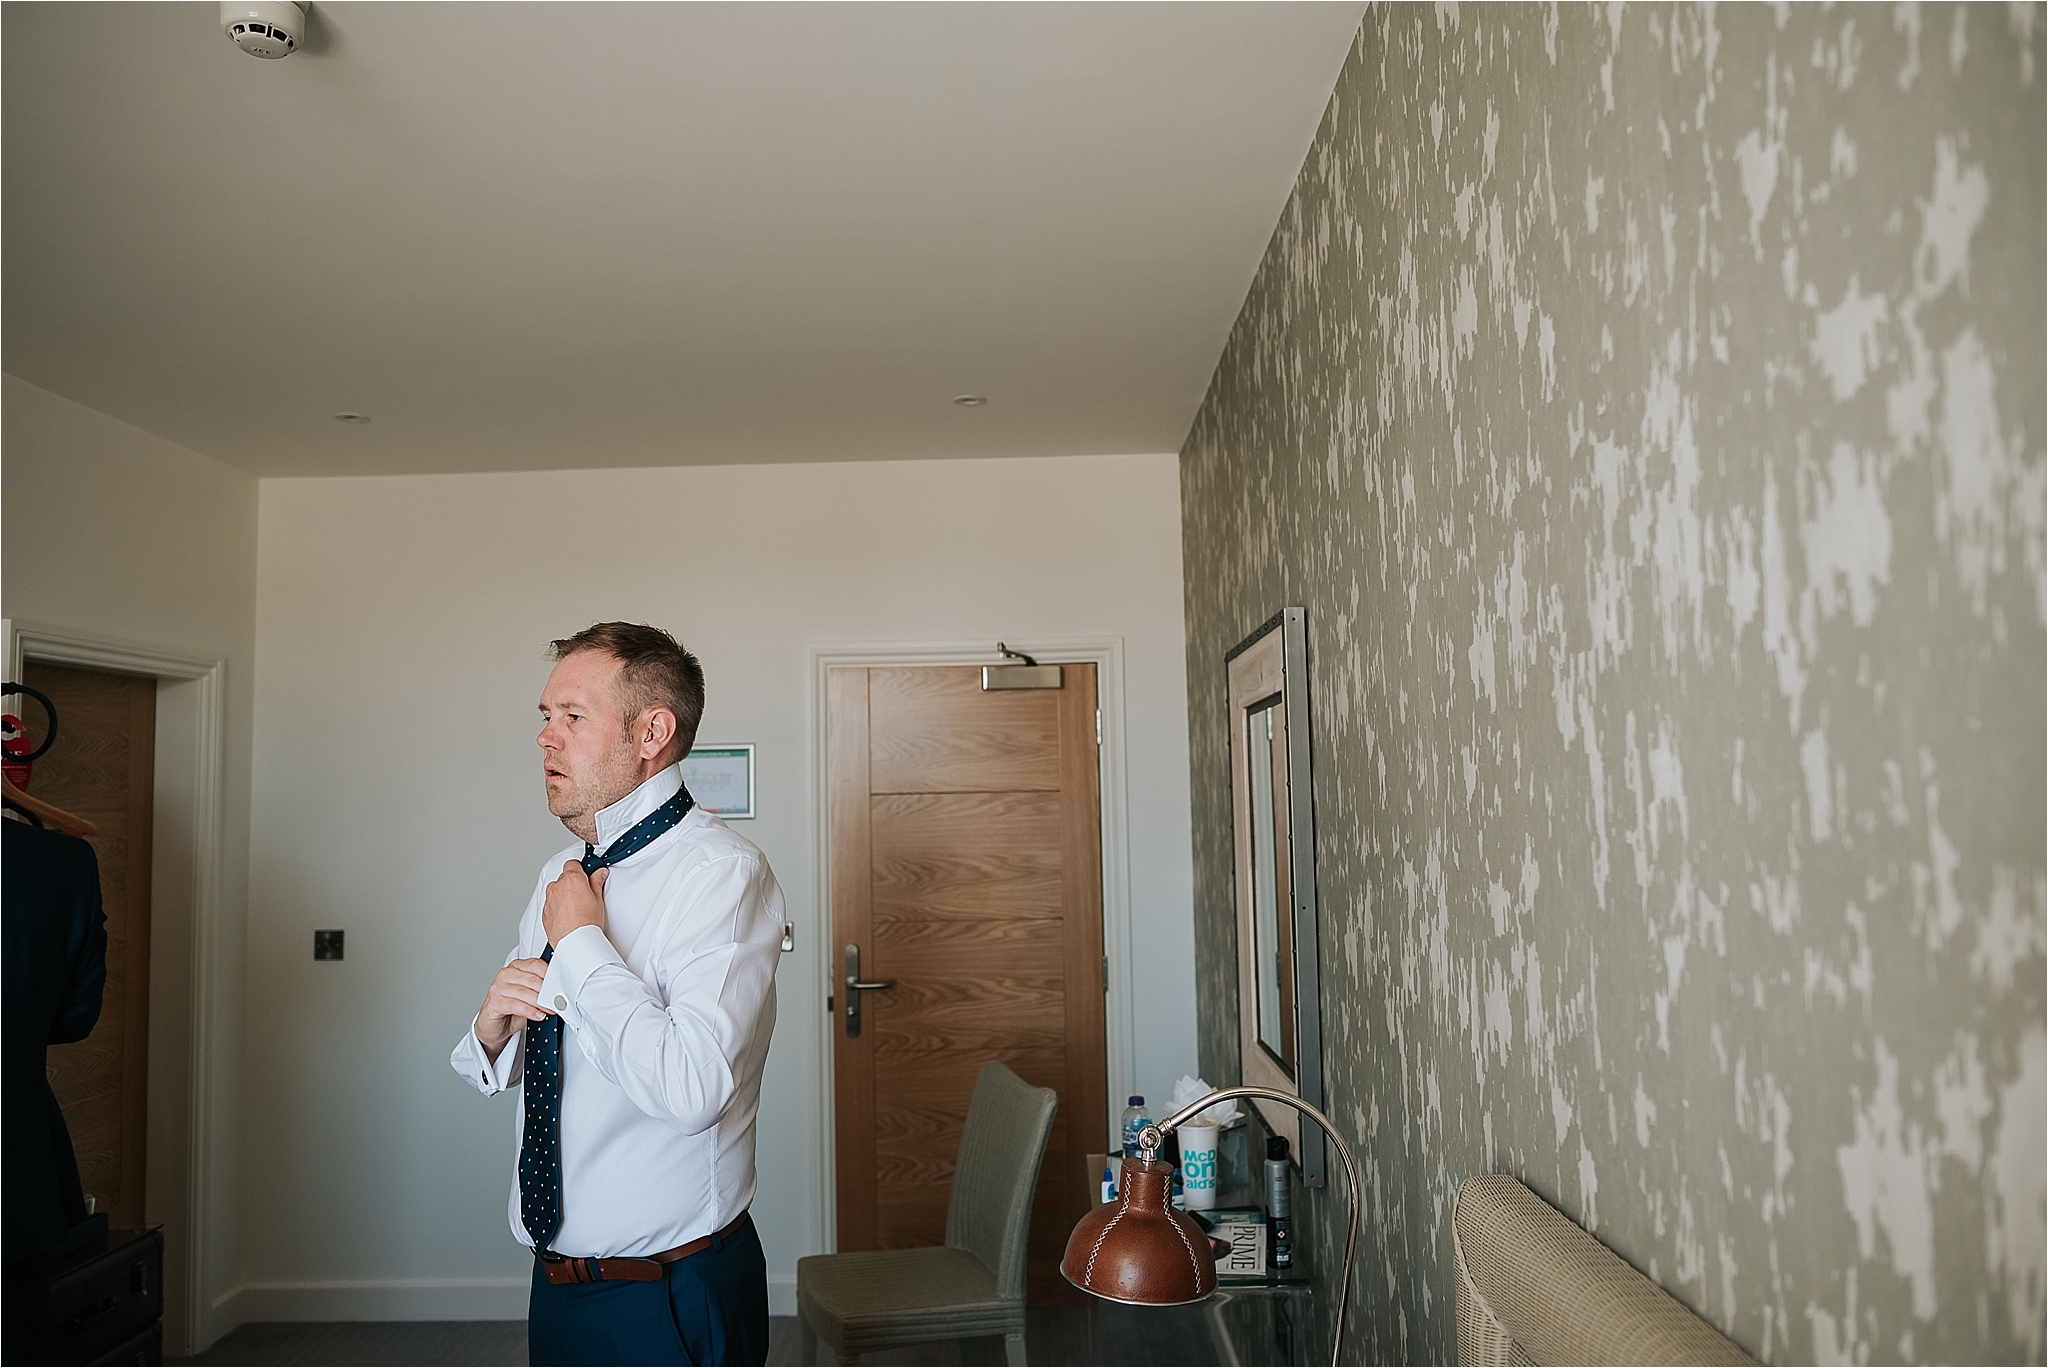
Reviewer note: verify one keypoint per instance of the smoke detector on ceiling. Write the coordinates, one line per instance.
(264, 28)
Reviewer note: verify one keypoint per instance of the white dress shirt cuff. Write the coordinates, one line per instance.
(578, 955)
(485, 1074)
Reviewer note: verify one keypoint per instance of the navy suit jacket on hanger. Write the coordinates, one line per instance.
(53, 970)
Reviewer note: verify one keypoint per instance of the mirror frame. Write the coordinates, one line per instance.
(1274, 660)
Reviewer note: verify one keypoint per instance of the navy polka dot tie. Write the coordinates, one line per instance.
(540, 1144)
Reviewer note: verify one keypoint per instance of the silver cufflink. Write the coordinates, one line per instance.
(561, 1003)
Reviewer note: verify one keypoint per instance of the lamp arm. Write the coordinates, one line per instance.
(1153, 1138)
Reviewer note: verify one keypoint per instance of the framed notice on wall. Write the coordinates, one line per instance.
(721, 779)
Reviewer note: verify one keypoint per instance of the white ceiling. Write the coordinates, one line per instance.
(525, 236)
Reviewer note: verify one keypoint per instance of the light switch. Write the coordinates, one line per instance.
(327, 945)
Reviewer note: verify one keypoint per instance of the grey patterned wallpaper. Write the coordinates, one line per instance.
(1647, 405)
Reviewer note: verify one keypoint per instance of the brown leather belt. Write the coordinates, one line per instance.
(563, 1271)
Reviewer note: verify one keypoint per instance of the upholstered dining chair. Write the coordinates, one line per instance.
(973, 1285)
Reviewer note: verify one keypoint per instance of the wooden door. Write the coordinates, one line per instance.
(103, 768)
(966, 867)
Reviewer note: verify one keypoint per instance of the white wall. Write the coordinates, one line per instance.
(113, 533)
(401, 624)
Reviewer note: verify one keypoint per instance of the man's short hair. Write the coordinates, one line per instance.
(656, 671)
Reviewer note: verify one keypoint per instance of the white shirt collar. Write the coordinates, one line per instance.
(618, 819)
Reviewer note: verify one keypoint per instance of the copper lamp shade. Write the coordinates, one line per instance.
(1139, 1248)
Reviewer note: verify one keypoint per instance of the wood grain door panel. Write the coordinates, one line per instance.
(966, 864)
(935, 730)
(946, 854)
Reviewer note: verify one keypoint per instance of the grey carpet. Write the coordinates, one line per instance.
(369, 1342)
(1054, 1335)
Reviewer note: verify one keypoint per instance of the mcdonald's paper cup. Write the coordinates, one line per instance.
(1198, 1166)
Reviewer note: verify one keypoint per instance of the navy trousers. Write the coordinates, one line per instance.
(709, 1308)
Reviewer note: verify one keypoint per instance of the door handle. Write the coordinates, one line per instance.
(855, 986)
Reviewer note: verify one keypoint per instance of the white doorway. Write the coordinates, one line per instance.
(184, 943)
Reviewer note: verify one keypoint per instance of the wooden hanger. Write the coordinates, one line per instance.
(53, 816)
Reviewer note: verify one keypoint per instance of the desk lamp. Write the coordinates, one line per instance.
(1140, 1251)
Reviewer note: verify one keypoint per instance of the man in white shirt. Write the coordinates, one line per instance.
(635, 1010)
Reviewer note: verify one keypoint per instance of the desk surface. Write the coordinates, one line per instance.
(1292, 1279)
(1295, 1278)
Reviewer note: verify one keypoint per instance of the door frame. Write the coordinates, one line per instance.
(194, 1207)
(1118, 1025)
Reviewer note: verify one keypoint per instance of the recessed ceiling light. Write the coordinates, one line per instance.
(970, 400)
(351, 417)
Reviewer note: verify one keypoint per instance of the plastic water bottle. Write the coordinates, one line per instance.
(1135, 1119)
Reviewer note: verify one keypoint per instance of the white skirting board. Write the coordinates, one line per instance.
(424, 1299)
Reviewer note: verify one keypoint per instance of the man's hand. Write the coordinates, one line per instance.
(574, 901)
(514, 1000)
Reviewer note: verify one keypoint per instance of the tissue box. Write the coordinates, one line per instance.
(1245, 1229)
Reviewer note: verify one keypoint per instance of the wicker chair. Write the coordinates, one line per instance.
(1533, 1289)
(973, 1285)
